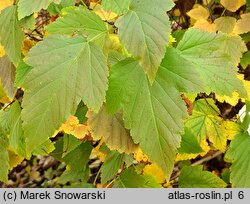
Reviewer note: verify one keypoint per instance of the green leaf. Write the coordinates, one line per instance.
(65, 71)
(44, 149)
(28, 22)
(27, 7)
(245, 60)
(76, 162)
(194, 177)
(111, 166)
(81, 113)
(16, 139)
(22, 71)
(205, 123)
(175, 70)
(117, 6)
(80, 20)
(189, 143)
(4, 157)
(4, 122)
(238, 154)
(7, 76)
(54, 8)
(210, 57)
(130, 179)
(144, 31)
(234, 47)
(158, 107)
(111, 127)
(11, 35)
(69, 143)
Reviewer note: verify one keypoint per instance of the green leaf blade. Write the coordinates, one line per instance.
(130, 179)
(117, 6)
(210, 55)
(144, 31)
(111, 166)
(194, 177)
(11, 35)
(27, 7)
(159, 107)
(16, 139)
(4, 156)
(238, 154)
(65, 71)
(80, 20)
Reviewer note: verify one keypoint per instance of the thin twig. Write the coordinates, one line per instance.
(208, 158)
(210, 12)
(96, 177)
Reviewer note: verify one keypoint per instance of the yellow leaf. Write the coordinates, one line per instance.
(140, 156)
(225, 24)
(169, 184)
(232, 5)
(204, 25)
(14, 159)
(198, 12)
(72, 126)
(96, 151)
(177, 12)
(2, 51)
(5, 3)
(154, 170)
(243, 24)
(104, 15)
(27, 44)
(185, 156)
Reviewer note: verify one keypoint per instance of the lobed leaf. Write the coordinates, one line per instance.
(80, 20)
(159, 107)
(65, 71)
(144, 31)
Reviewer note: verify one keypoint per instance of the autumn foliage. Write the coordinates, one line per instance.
(125, 93)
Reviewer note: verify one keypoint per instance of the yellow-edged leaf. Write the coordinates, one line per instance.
(14, 159)
(231, 129)
(185, 156)
(104, 15)
(233, 100)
